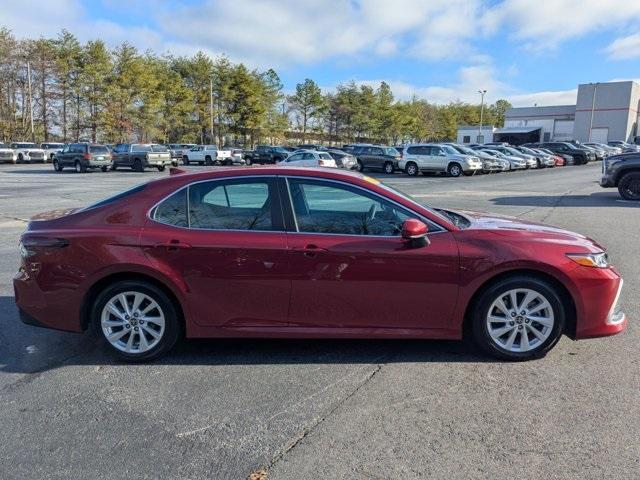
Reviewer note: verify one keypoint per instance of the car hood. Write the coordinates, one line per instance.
(511, 226)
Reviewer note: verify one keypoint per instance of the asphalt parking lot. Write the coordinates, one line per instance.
(222, 409)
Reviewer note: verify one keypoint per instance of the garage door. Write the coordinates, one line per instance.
(599, 135)
(563, 129)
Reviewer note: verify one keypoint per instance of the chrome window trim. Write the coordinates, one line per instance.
(284, 231)
(150, 212)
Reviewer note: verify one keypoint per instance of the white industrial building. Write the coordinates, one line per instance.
(603, 112)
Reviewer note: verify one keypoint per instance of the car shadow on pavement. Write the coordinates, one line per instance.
(27, 350)
(598, 199)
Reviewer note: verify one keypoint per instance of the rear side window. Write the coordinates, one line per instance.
(173, 210)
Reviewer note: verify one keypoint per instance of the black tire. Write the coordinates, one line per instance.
(539, 163)
(481, 310)
(172, 328)
(185, 160)
(454, 169)
(411, 169)
(160, 168)
(388, 168)
(80, 168)
(20, 158)
(104, 169)
(56, 165)
(137, 165)
(207, 160)
(248, 161)
(359, 166)
(629, 186)
(114, 167)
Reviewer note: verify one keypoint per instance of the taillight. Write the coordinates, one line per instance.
(87, 156)
(30, 246)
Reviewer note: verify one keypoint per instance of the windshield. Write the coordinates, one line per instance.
(571, 146)
(449, 149)
(437, 213)
(140, 147)
(513, 151)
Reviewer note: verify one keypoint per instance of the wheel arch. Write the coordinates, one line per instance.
(101, 284)
(625, 171)
(564, 292)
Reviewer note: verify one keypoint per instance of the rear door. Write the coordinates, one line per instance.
(224, 239)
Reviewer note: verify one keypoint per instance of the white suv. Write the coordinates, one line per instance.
(437, 158)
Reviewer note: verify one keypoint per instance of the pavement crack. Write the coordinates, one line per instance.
(295, 441)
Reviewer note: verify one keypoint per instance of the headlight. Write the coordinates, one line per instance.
(596, 260)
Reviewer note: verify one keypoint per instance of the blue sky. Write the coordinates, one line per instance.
(528, 51)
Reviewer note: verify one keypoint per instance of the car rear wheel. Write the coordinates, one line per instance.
(411, 169)
(137, 165)
(80, 168)
(247, 161)
(207, 160)
(56, 165)
(629, 186)
(185, 160)
(518, 318)
(160, 168)
(359, 166)
(454, 169)
(136, 320)
(388, 168)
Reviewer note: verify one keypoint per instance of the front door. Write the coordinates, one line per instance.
(351, 269)
(228, 249)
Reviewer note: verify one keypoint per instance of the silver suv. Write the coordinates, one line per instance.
(438, 158)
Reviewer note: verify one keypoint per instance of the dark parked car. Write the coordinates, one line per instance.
(265, 154)
(312, 146)
(580, 156)
(307, 252)
(83, 157)
(139, 156)
(622, 171)
(376, 157)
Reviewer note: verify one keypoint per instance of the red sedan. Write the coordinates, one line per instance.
(300, 252)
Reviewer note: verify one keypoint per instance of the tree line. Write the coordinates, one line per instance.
(60, 89)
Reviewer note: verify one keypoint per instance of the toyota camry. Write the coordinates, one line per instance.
(307, 253)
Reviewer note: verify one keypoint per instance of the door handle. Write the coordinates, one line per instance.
(172, 245)
(310, 250)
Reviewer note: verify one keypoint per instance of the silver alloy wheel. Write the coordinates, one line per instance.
(132, 322)
(455, 170)
(412, 169)
(520, 320)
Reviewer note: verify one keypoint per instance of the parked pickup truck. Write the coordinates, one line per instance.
(265, 154)
(623, 172)
(27, 152)
(207, 155)
(177, 150)
(139, 156)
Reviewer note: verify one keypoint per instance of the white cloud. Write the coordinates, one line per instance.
(543, 25)
(625, 47)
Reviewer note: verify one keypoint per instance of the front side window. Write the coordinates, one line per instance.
(244, 204)
(294, 158)
(333, 208)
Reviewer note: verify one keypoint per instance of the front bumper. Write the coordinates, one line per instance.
(471, 166)
(607, 181)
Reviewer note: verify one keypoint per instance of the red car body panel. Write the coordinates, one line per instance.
(289, 284)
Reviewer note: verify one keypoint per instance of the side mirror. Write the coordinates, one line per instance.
(415, 233)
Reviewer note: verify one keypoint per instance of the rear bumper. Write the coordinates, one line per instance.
(59, 310)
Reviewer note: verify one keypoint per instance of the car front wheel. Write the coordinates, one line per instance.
(136, 320)
(388, 168)
(412, 169)
(629, 186)
(454, 169)
(56, 165)
(518, 318)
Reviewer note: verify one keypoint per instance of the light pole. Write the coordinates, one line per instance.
(482, 93)
(33, 134)
(211, 107)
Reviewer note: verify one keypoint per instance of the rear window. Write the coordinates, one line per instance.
(98, 149)
(159, 148)
(118, 197)
(140, 147)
